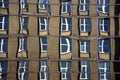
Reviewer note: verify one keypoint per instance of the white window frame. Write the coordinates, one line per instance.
(21, 74)
(3, 4)
(102, 24)
(64, 71)
(22, 4)
(45, 24)
(43, 5)
(102, 5)
(101, 46)
(3, 23)
(68, 46)
(85, 46)
(66, 24)
(21, 23)
(21, 44)
(1, 45)
(84, 66)
(43, 68)
(103, 73)
(83, 24)
(83, 4)
(43, 45)
(1, 70)
(66, 7)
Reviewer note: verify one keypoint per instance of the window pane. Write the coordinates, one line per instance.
(85, 70)
(5, 45)
(4, 22)
(25, 26)
(4, 65)
(64, 49)
(104, 69)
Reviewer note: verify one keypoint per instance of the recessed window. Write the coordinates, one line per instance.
(104, 46)
(4, 23)
(104, 25)
(3, 70)
(65, 45)
(84, 46)
(22, 44)
(23, 4)
(65, 7)
(65, 69)
(84, 5)
(23, 70)
(66, 24)
(24, 23)
(103, 6)
(85, 25)
(43, 70)
(85, 70)
(3, 45)
(43, 4)
(44, 45)
(3, 3)
(104, 70)
(43, 24)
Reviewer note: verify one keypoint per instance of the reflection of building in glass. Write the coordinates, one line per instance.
(59, 39)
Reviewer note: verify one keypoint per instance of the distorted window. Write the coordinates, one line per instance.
(23, 4)
(23, 70)
(84, 5)
(104, 25)
(22, 44)
(43, 4)
(85, 46)
(104, 46)
(24, 23)
(44, 45)
(85, 70)
(65, 45)
(65, 69)
(43, 24)
(104, 70)
(3, 3)
(85, 25)
(3, 70)
(65, 7)
(3, 44)
(66, 24)
(43, 70)
(103, 6)
(4, 22)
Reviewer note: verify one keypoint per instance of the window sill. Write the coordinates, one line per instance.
(43, 54)
(83, 12)
(43, 33)
(43, 11)
(65, 33)
(84, 33)
(102, 14)
(23, 31)
(3, 10)
(3, 32)
(22, 54)
(64, 0)
(104, 33)
(104, 56)
(66, 56)
(84, 54)
(3, 54)
(65, 14)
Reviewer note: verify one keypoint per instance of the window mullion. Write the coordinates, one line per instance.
(2, 43)
(3, 23)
